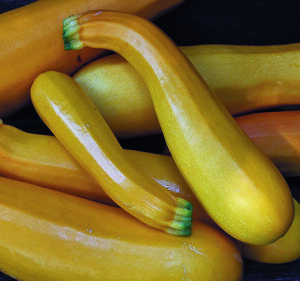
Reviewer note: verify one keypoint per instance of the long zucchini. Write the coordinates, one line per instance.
(48, 235)
(236, 183)
(77, 124)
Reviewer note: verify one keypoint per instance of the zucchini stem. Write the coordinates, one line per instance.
(80, 128)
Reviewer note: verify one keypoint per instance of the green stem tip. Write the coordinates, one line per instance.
(71, 33)
(182, 222)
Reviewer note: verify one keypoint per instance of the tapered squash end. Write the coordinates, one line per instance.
(182, 223)
(71, 33)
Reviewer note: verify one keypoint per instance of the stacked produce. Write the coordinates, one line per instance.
(77, 206)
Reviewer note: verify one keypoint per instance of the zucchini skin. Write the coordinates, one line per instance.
(52, 236)
(277, 135)
(79, 127)
(42, 160)
(249, 78)
(230, 71)
(137, 116)
(33, 44)
(285, 249)
(239, 187)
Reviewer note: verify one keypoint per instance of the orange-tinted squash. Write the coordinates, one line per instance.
(48, 235)
(42, 159)
(32, 44)
(277, 134)
(236, 183)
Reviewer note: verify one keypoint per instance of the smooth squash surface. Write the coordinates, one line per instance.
(47, 235)
(236, 183)
(79, 127)
(32, 44)
(248, 78)
(120, 94)
(42, 159)
(285, 249)
(244, 78)
(277, 134)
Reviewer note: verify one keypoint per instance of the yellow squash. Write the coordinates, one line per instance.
(277, 135)
(245, 79)
(32, 44)
(285, 249)
(236, 183)
(80, 128)
(42, 160)
(248, 78)
(120, 94)
(48, 235)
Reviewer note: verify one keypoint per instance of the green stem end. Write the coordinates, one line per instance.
(71, 33)
(182, 223)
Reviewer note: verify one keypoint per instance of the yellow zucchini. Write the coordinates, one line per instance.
(237, 184)
(42, 160)
(48, 235)
(121, 96)
(32, 44)
(79, 127)
(285, 249)
(277, 135)
(244, 78)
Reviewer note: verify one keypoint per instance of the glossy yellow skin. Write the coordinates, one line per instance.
(79, 127)
(248, 78)
(236, 183)
(123, 99)
(245, 79)
(120, 94)
(285, 249)
(42, 160)
(32, 45)
(48, 235)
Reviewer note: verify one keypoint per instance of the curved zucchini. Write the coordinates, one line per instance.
(32, 45)
(42, 159)
(237, 184)
(80, 128)
(230, 71)
(48, 235)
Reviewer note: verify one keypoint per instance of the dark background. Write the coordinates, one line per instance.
(208, 22)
